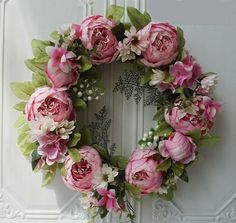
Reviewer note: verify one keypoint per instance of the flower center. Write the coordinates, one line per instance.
(141, 175)
(135, 40)
(81, 169)
(49, 107)
(162, 42)
(105, 177)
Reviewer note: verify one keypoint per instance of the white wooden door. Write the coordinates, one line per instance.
(210, 30)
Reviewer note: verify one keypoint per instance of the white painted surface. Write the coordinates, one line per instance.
(210, 30)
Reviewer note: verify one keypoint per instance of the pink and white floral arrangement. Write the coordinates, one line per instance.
(66, 78)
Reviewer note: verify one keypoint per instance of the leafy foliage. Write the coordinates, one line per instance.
(99, 128)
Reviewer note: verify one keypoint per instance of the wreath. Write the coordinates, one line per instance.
(66, 78)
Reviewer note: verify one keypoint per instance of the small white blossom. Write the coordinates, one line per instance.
(88, 200)
(79, 93)
(157, 77)
(162, 190)
(41, 126)
(107, 175)
(64, 29)
(65, 128)
(125, 52)
(155, 138)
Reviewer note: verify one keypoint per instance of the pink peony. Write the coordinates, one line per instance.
(163, 44)
(52, 148)
(51, 102)
(186, 72)
(108, 199)
(96, 34)
(200, 118)
(61, 67)
(141, 171)
(179, 147)
(79, 176)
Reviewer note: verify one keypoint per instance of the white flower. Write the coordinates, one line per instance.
(107, 175)
(65, 128)
(162, 190)
(157, 77)
(64, 29)
(88, 200)
(208, 84)
(136, 40)
(41, 126)
(125, 52)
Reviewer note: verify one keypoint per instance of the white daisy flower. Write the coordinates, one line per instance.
(107, 175)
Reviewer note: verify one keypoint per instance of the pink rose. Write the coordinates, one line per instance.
(79, 176)
(201, 118)
(163, 44)
(186, 72)
(179, 147)
(52, 148)
(108, 199)
(141, 171)
(96, 34)
(62, 67)
(51, 102)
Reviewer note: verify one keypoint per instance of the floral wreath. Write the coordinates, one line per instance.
(66, 77)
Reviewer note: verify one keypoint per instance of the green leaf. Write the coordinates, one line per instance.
(23, 138)
(79, 104)
(115, 12)
(85, 64)
(36, 67)
(148, 16)
(24, 129)
(207, 140)
(203, 140)
(62, 168)
(178, 168)
(38, 47)
(181, 43)
(74, 154)
(102, 151)
(164, 166)
(27, 148)
(74, 140)
(22, 90)
(133, 190)
(169, 196)
(119, 161)
(163, 129)
(39, 80)
(138, 19)
(20, 121)
(184, 176)
(20, 106)
(119, 31)
(86, 138)
(159, 117)
(35, 159)
(49, 177)
(146, 78)
(55, 35)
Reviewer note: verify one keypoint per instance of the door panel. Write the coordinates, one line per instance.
(210, 30)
